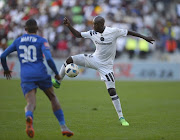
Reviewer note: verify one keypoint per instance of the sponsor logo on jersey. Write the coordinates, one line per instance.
(109, 43)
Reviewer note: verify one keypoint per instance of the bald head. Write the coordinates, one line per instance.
(99, 19)
(98, 24)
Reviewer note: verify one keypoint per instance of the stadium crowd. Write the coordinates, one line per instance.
(157, 18)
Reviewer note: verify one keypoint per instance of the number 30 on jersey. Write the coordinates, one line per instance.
(29, 54)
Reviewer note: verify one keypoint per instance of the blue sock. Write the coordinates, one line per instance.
(60, 116)
(29, 113)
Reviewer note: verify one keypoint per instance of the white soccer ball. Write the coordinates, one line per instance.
(72, 70)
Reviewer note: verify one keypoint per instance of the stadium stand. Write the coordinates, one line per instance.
(157, 18)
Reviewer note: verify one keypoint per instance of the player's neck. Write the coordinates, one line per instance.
(31, 33)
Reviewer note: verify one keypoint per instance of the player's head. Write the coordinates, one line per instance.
(98, 24)
(31, 26)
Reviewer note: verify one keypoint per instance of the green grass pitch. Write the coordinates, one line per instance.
(151, 108)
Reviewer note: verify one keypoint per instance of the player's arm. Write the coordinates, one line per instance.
(50, 61)
(10, 49)
(74, 31)
(148, 39)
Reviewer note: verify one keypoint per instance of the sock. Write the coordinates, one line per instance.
(29, 113)
(62, 71)
(60, 116)
(117, 105)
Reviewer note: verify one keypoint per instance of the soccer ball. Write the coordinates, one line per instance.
(72, 70)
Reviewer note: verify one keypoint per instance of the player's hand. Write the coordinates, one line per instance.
(7, 74)
(57, 77)
(149, 39)
(66, 22)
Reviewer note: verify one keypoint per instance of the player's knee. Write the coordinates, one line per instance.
(69, 60)
(112, 91)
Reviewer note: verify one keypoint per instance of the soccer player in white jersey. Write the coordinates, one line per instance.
(102, 59)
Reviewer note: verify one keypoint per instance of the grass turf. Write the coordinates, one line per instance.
(151, 108)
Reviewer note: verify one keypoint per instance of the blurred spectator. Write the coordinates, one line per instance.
(178, 9)
(178, 44)
(171, 45)
(143, 48)
(62, 47)
(131, 46)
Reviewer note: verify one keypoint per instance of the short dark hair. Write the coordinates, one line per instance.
(31, 26)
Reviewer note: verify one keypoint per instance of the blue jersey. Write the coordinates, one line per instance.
(30, 49)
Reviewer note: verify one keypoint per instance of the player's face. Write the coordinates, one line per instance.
(97, 26)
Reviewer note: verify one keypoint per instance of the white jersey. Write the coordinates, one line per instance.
(105, 43)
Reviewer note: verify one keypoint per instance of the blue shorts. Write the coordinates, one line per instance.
(28, 86)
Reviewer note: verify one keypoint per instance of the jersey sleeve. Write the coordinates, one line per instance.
(46, 51)
(3, 56)
(87, 34)
(121, 32)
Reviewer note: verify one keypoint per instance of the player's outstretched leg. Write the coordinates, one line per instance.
(62, 70)
(56, 83)
(117, 106)
(58, 112)
(31, 103)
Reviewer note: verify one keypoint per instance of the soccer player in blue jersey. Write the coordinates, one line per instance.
(30, 49)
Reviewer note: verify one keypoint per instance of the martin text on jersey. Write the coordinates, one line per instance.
(28, 39)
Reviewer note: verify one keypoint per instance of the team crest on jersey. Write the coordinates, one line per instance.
(102, 38)
(46, 44)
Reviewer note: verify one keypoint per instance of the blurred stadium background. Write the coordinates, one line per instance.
(153, 103)
(157, 18)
